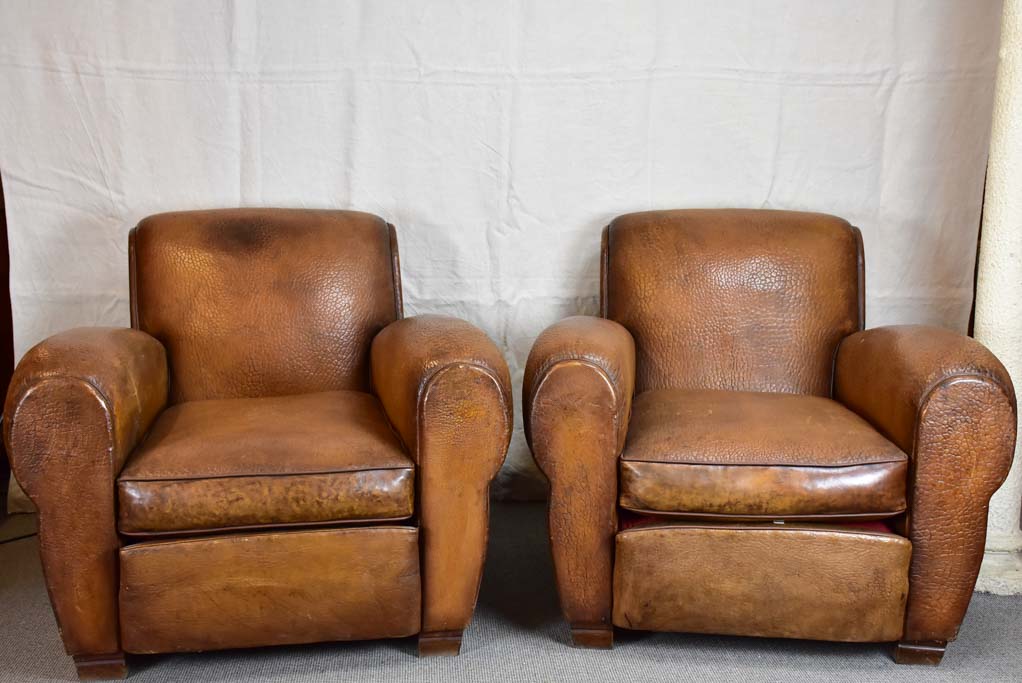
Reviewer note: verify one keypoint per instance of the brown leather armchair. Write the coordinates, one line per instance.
(270, 455)
(729, 453)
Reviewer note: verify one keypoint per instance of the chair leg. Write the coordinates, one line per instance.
(925, 652)
(440, 643)
(598, 638)
(101, 667)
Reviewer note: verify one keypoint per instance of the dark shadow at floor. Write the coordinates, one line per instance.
(274, 660)
(749, 647)
(518, 581)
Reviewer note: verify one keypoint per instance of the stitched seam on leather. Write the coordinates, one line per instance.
(758, 464)
(928, 393)
(206, 531)
(593, 360)
(272, 475)
(851, 532)
(547, 368)
(147, 547)
(809, 516)
(923, 404)
(36, 381)
(980, 376)
(426, 384)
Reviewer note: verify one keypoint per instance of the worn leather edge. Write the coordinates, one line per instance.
(496, 367)
(81, 639)
(912, 631)
(133, 279)
(162, 542)
(429, 382)
(395, 265)
(534, 377)
(553, 363)
(582, 612)
(605, 271)
(857, 516)
(326, 524)
(861, 268)
(806, 527)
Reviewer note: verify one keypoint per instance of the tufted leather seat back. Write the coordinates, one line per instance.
(739, 300)
(264, 302)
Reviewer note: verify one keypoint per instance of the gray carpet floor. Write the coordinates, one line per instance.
(517, 635)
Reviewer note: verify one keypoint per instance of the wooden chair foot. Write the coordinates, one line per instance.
(101, 667)
(601, 638)
(925, 652)
(440, 643)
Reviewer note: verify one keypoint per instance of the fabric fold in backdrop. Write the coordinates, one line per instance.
(498, 137)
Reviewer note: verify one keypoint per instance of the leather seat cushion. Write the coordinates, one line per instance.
(750, 455)
(266, 462)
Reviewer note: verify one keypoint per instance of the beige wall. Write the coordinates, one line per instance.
(999, 287)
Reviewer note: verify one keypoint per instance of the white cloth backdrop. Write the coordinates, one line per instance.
(498, 136)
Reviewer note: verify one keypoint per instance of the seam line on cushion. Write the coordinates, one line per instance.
(145, 547)
(902, 460)
(748, 527)
(206, 531)
(792, 516)
(273, 475)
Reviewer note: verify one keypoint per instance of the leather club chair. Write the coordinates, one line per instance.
(270, 455)
(730, 453)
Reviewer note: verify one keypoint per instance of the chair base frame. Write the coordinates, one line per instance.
(594, 638)
(440, 644)
(101, 667)
(926, 652)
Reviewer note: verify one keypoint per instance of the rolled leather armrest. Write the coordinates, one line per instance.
(603, 345)
(78, 404)
(946, 401)
(447, 391)
(408, 355)
(577, 400)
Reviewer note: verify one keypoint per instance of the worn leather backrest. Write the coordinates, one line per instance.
(264, 302)
(741, 300)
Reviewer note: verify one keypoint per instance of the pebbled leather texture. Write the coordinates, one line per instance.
(77, 405)
(247, 590)
(949, 403)
(262, 322)
(791, 581)
(576, 401)
(263, 302)
(255, 462)
(750, 455)
(604, 344)
(447, 391)
(738, 300)
(770, 302)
